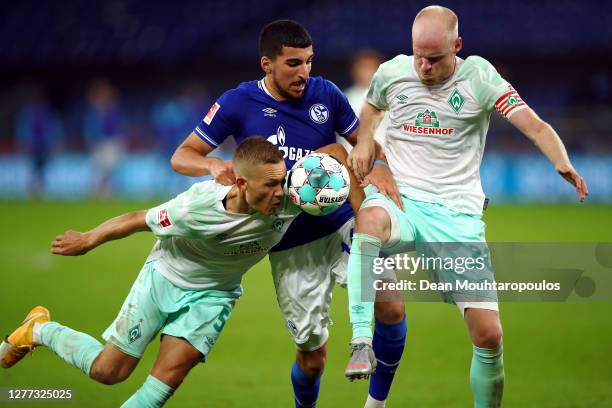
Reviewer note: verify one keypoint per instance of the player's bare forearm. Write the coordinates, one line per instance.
(356, 194)
(369, 120)
(72, 243)
(188, 162)
(190, 159)
(366, 150)
(548, 141)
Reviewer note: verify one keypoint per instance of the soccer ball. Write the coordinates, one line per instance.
(319, 184)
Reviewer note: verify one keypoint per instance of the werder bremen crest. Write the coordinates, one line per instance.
(512, 101)
(427, 119)
(278, 224)
(456, 100)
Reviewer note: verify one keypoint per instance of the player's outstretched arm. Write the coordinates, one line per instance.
(72, 243)
(190, 159)
(549, 142)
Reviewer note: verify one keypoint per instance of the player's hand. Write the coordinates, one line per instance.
(360, 159)
(381, 177)
(572, 176)
(222, 171)
(71, 243)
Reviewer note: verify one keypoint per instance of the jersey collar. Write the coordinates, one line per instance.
(263, 87)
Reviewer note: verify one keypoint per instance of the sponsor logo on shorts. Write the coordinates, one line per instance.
(209, 341)
(211, 113)
(292, 327)
(134, 333)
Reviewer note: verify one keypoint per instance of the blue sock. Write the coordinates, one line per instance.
(388, 345)
(305, 388)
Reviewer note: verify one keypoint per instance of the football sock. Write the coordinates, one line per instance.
(152, 394)
(364, 249)
(487, 377)
(305, 388)
(388, 345)
(374, 403)
(76, 348)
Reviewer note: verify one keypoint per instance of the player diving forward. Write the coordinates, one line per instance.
(208, 237)
(440, 107)
(299, 114)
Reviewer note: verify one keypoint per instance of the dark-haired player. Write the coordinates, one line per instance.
(299, 114)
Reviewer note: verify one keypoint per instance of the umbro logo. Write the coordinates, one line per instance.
(403, 99)
(269, 112)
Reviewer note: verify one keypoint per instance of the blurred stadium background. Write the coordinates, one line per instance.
(95, 96)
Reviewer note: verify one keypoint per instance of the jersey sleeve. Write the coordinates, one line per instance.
(221, 120)
(491, 90)
(345, 120)
(377, 93)
(174, 218)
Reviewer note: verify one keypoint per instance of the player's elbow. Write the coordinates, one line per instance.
(177, 161)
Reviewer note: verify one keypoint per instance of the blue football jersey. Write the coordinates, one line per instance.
(296, 127)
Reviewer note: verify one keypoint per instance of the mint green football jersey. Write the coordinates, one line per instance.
(436, 134)
(202, 246)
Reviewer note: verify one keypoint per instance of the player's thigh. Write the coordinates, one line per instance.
(304, 278)
(200, 317)
(402, 231)
(175, 359)
(140, 318)
(455, 254)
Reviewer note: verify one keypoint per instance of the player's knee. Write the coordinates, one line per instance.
(312, 363)
(314, 367)
(389, 312)
(489, 337)
(109, 374)
(371, 220)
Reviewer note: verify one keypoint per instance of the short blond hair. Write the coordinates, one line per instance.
(253, 151)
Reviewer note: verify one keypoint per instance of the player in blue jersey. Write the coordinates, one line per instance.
(299, 114)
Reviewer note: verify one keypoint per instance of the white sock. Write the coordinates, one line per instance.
(36, 332)
(357, 340)
(374, 403)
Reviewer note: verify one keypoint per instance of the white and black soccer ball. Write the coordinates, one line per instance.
(319, 184)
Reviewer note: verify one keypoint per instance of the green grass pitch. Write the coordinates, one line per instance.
(556, 354)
